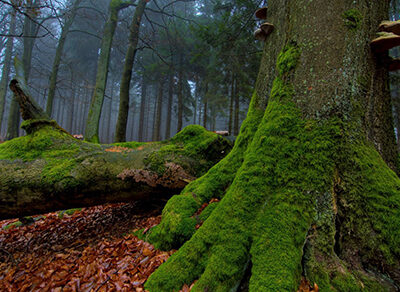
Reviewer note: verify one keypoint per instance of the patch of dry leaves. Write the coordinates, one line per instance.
(82, 252)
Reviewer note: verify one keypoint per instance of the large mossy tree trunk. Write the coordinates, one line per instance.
(120, 132)
(306, 190)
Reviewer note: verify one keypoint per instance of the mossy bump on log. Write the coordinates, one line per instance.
(282, 207)
(48, 169)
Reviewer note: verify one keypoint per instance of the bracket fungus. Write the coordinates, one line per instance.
(267, 27)
(390, 26)
(260, 35)
(261, 13)
(385, 42)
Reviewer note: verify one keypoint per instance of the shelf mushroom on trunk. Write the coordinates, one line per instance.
(390, 26)
(261, 13)
(385, 42)
(388, 38)
(260, 35)
(266, 28)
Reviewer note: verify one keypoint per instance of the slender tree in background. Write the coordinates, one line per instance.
(180, 94)
(158, 112)
(169, 106)
(120, 132)
(92, 123)
(5, 72)
(304, 191)
(69, 20)
(30, 31)
(143, 98)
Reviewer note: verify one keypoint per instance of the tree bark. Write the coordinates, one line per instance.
(5, 72)
(237, 111)
(232, 98)
(92, 123)
(57, 59)
(143, 98)
(158, 113)
(120, 132)
(205, 105)
(50, 170)
(180, 95)
(30, 31)
(312, 196)
(169, 106)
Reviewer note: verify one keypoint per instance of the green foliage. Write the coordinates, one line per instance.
(352, 19)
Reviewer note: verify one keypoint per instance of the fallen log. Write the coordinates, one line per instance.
(48, 169)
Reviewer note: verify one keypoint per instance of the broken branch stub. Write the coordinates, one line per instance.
(30, 110)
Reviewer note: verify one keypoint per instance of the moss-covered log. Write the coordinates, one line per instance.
(49, 169)
(314, 195)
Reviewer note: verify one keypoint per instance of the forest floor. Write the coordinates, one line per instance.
(89, 249)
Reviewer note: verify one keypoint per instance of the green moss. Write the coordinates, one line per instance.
(13, 225)
(130, 145)
(57, 149)
(207, 211)
(368, 182)
(352, 19)
(193, 143)
(69, 212)
(288, 59)
(211, 185)
(286, 165)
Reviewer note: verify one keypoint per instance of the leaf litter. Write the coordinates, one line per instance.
(90, 250)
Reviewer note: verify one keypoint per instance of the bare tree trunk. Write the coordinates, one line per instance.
(57, 58)
(169, 106)
(71, 107)
(92, 123)
(158, 112)
(142, 109)
(180, 96)
(5, 72)
(205, 106)
(237, 111)
(120, 132)
(231, 105)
